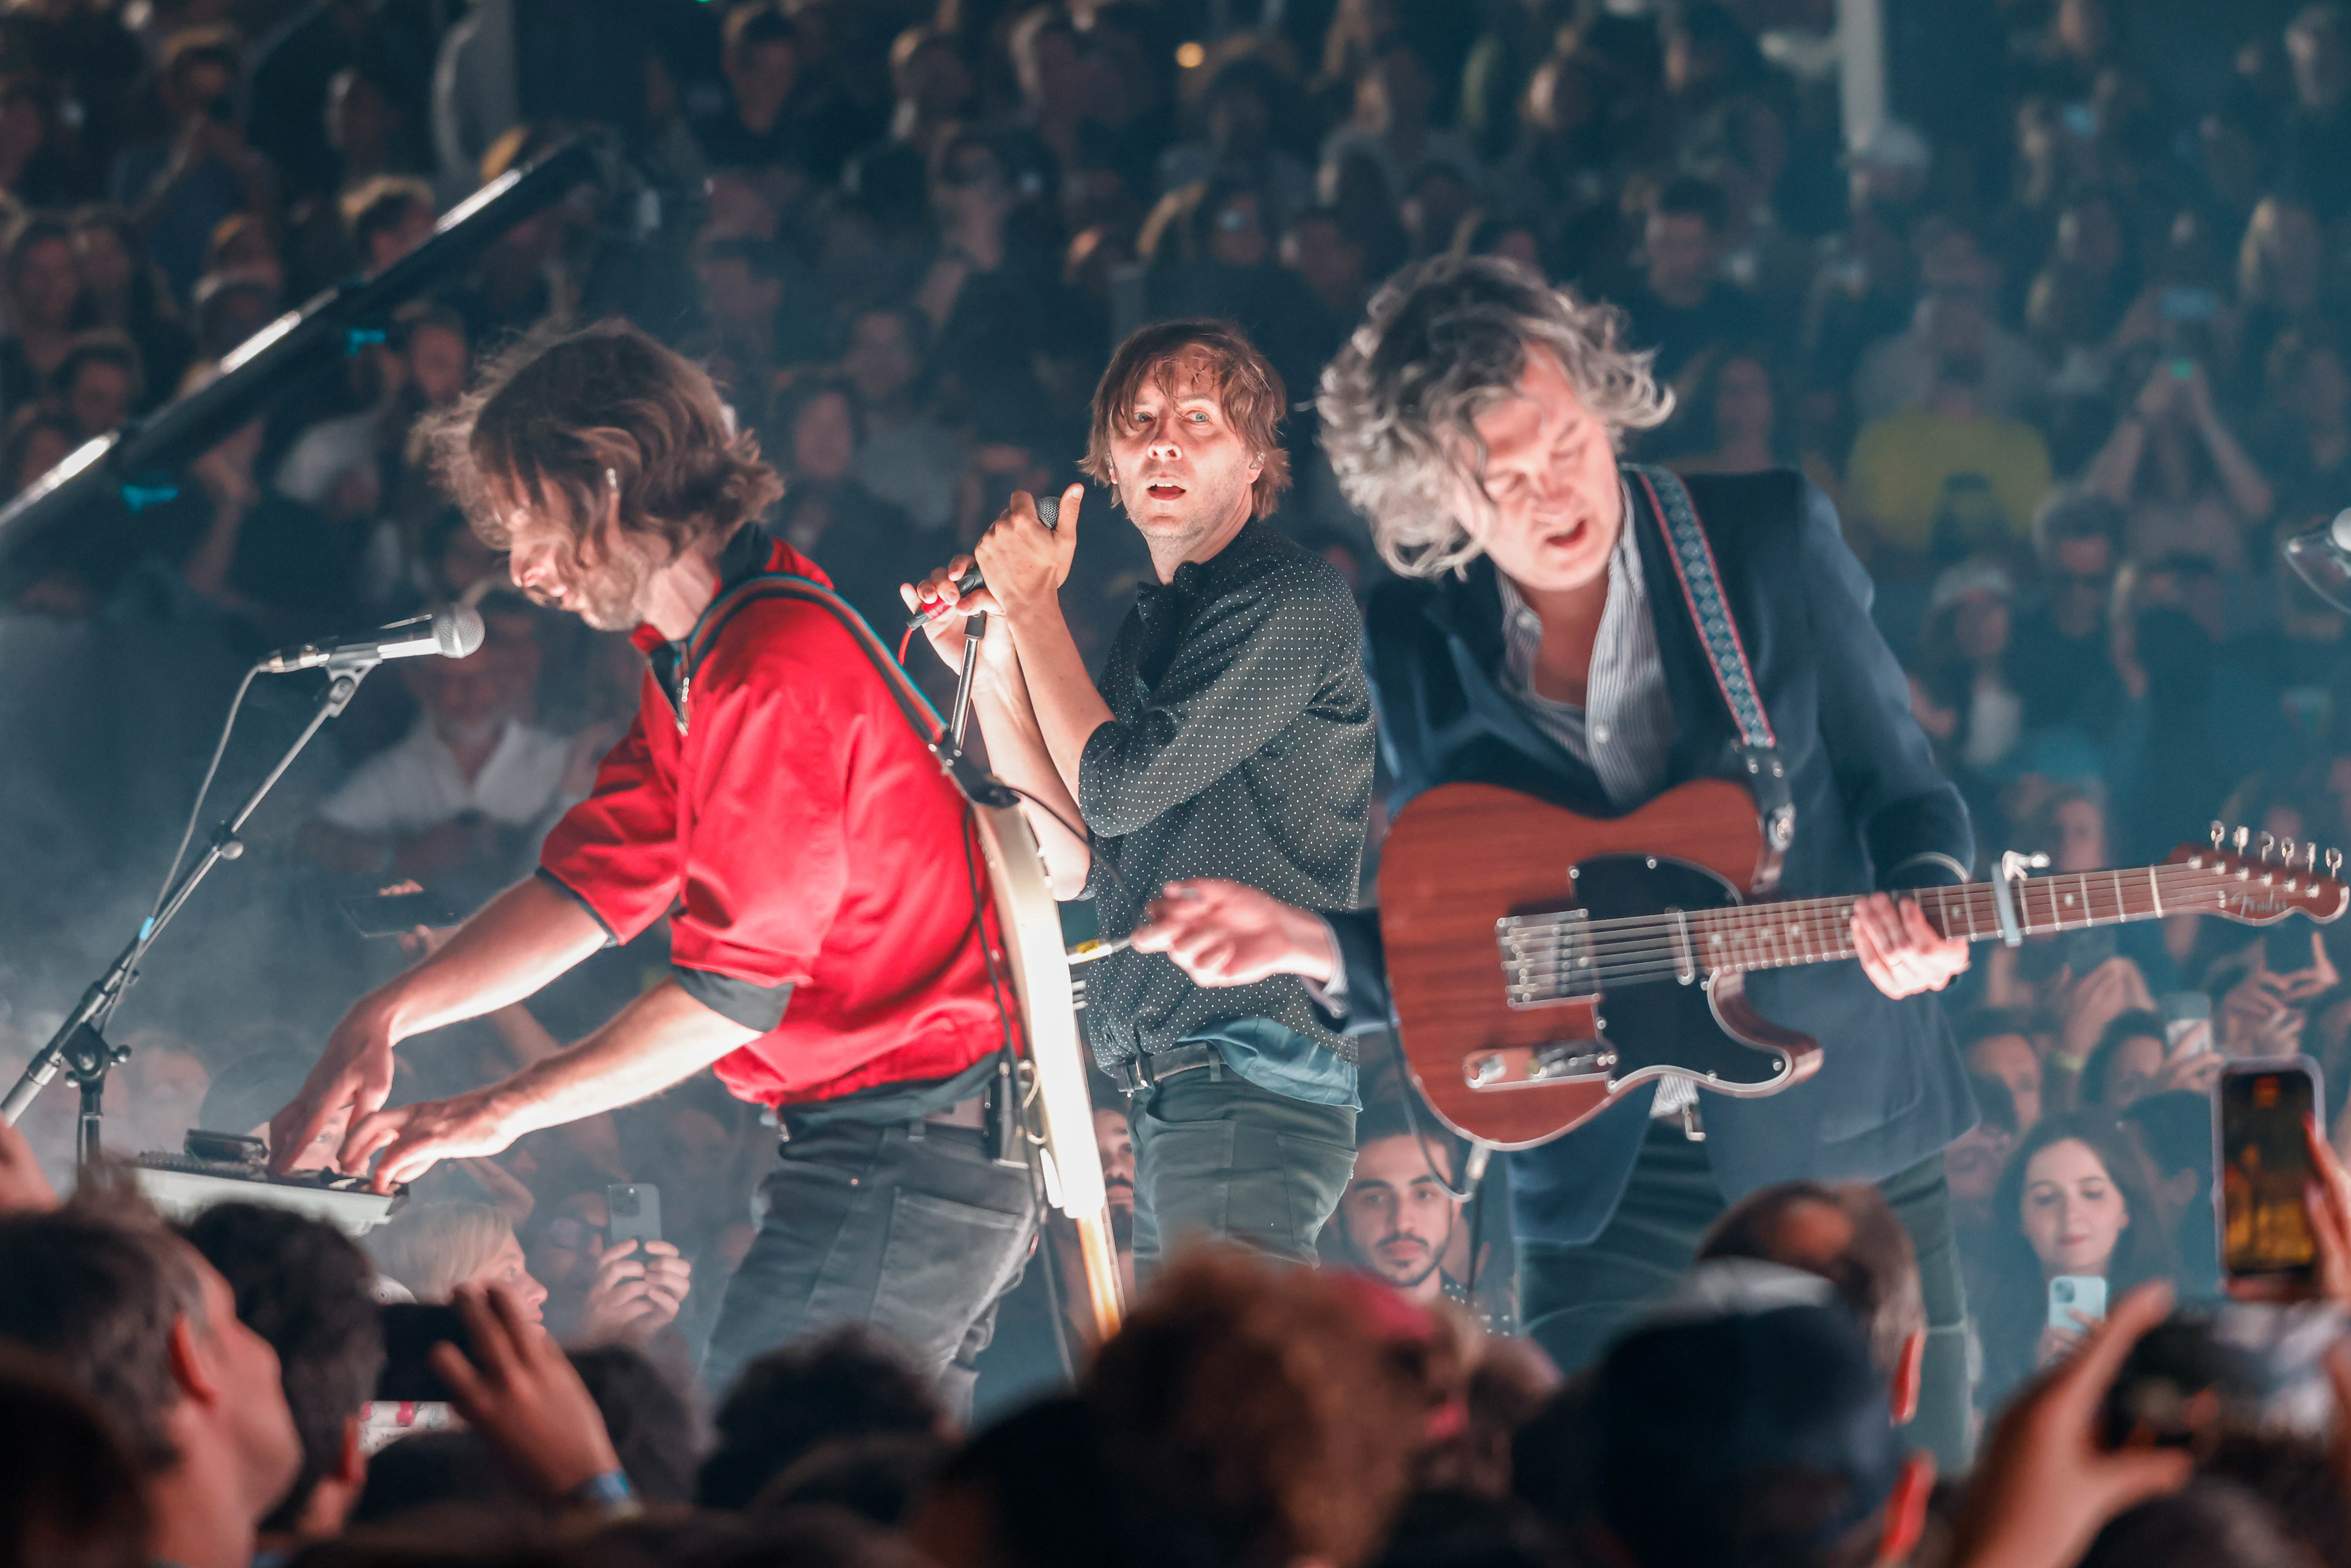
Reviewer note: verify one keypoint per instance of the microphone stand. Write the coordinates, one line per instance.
(79, 1046)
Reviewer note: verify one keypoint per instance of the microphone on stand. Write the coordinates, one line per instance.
(452, 633)
(1049, 512)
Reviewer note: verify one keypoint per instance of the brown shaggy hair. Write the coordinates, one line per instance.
(1247, 387)
(1262, 1403)
(551, 414)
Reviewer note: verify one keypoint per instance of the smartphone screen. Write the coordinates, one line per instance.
(635, 1210)
(2261, 1109)
(395, 913)
(410, 1332)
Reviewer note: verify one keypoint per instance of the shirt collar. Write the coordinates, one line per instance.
(1207, 578)
(748, 553)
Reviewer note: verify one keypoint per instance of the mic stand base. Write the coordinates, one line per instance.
(79, 1047)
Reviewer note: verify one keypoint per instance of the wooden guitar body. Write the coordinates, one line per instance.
(1464, 861)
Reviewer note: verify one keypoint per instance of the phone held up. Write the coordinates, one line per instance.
(2076, 1297)
(2263, 1110)
(634, 1210)
(397, 913)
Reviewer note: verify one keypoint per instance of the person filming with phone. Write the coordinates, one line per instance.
(2073, 1227)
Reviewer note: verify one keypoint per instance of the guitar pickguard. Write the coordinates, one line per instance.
(1617, 1035)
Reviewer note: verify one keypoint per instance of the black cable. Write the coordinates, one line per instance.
(196, 811)
(1412, 1121)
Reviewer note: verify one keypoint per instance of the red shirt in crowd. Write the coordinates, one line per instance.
(808, 849)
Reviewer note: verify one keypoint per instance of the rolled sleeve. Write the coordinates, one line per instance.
(617, 850)
(746, 1002)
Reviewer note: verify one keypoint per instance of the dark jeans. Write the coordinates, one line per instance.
(1217, 1155)
(1575, 1299)
(909, 1227)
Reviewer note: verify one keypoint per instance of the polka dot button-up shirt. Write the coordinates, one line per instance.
(1240, 745)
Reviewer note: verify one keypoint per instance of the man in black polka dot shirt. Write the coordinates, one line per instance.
(1230, 736)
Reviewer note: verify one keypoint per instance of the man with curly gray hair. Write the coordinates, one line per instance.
(1545, 636)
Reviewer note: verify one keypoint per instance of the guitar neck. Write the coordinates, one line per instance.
(1819, 930)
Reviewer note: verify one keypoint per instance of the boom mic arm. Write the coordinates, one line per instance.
(321, 329)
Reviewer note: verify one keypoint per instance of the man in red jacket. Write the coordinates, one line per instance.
(773, 800)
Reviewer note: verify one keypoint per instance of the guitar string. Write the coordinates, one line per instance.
(1638, 947)
(1973, 899)
(1817, 926)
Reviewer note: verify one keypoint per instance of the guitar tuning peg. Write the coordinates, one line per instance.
(2241, 838)
(2310, 855)
(2334, 861)
(2220, 832)
(2269, 843)
(2285, 851)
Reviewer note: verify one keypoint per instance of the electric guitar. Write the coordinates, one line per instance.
(1544, 964)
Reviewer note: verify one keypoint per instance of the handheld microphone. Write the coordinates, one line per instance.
(1049, 512)
(452, 633)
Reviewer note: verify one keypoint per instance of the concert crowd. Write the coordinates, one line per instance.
(2066, 337)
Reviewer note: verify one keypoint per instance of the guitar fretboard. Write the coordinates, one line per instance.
(1547, 958)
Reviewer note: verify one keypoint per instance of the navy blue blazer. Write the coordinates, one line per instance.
(1871, 811)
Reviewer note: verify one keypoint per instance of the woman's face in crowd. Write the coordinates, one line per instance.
(2073, 1213)
(508, 1267)
(2135, 1069)
(1742, 400)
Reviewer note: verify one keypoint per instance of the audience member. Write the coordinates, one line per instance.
(141, 1324)
(306, 1288)
(434, 1249)
(1401, 1217)
(794, 1399)
(1999, 1045)
(2073, 1202)
(69, 1493)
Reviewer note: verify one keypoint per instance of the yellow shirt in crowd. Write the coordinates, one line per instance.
(1901, 464)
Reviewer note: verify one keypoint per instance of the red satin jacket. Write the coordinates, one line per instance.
(772, 799)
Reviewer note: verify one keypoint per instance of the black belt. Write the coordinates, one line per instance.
(1137, 1074)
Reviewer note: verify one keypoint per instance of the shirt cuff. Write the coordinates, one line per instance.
(574, 894)
(1331, 995)
(746, 1002)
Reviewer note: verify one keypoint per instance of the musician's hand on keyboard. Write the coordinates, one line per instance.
(412, 1139)
(521, 1392)
(352, 1075)
(1900, 951)
(1222, 933)
(23, 1188)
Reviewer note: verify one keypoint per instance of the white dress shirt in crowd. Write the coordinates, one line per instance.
(417, 784)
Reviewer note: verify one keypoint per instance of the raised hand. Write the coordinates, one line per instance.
(521, 1392)
(2044, 1486)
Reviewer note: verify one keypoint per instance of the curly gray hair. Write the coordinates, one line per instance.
(1444, 342)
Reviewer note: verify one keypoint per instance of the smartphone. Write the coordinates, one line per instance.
(2187, 1023)
(635, 1211)
(410, 1331)
(2071, 1293)
(2261, 1111)
(396, 914)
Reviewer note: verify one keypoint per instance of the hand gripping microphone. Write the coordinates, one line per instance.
(452, 633)
(1049, 512)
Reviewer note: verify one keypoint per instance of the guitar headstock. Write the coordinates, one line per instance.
(2260, 878)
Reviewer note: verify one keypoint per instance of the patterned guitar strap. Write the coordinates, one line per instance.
(1734, 677)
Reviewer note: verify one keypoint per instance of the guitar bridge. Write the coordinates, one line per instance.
(1524, 1066)
(1546, 958)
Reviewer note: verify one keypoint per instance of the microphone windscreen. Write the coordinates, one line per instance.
(1048, 510)
(457, 631)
